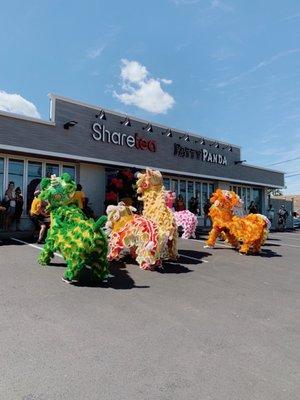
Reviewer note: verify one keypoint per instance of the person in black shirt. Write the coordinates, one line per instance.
(253, 208)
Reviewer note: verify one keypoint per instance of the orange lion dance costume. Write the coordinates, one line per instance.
(247, 233)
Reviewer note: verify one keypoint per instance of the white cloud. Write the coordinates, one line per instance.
(166, 81)
(258, 66)
(222, 54)
(221, 5)
(185, 2)
(133, 72)
(142, 91)
(94, 53)
(15, 103)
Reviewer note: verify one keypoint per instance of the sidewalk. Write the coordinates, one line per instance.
(23, 235)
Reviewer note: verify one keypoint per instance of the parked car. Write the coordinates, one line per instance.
(296, 222)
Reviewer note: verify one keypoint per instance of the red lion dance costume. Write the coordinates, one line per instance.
(245, 233)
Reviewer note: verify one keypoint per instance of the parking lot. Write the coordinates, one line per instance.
(215, 326)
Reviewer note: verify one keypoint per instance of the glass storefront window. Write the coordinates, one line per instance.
(257, 198)
(167, 183)
(70, 170)
(182, 190)
(248, 198)
(174, 186)
(190, 190)
(198, 195)
(52, 169)
(16, 172)
(34, 176)
(1, 178)
(211, 189)
(204, 195)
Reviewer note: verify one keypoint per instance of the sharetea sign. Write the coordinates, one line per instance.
(101, 134)
(202, 154)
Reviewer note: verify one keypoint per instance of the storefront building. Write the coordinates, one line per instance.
(95, 144)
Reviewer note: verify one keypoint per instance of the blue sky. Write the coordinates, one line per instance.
(226, 69)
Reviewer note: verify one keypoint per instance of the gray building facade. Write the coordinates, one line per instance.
(91, 142)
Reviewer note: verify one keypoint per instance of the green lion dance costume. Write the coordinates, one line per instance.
(79, 240)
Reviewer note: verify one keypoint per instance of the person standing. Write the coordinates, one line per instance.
(253, 208)
(271, 215)
(79, 196)
(193, 206)
(10, 200)
(179, 203)
(39, 216)
(19, 207)
(206, 209)
(282, 217)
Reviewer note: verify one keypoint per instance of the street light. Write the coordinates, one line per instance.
(70, 124)
(101, 115)
(239, 162)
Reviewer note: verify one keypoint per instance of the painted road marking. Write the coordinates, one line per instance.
(224, 245)
(289, 245)
(34, 246)
(59, 255)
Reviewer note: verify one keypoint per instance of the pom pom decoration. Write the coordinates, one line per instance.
(152, 193)
(111, 196)
(248, 233)
(149, 238)
(117, 183)
(79, 240)
(134, 233)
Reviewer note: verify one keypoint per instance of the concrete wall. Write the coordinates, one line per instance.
(92, 179)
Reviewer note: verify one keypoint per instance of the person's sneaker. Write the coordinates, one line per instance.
(66, 280)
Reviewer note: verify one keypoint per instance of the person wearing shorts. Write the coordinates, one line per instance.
(39, 217)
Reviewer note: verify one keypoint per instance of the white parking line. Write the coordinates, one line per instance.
(288, 245)
(281, 234)
(34, 246)
(217, 244)
(193, 258)
(59, 255)
(224, 245)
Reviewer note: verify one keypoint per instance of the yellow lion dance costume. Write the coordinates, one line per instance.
(247, 233)
(152, 193)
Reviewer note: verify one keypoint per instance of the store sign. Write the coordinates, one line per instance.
(201, 154)
(101, 134)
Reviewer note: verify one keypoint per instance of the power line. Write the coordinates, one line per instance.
(285, 161)
(290, 176)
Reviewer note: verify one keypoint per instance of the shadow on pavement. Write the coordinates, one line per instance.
(197, 255)
(173, 268)
(121, 280)
(61, 264)
(267, 253)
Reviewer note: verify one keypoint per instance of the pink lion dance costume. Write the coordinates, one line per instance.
(184, 218)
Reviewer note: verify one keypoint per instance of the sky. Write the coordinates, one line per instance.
(227, 70)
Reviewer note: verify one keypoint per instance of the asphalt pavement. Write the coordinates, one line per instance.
(215, 326)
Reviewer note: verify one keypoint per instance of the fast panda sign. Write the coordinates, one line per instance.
(202, 154)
